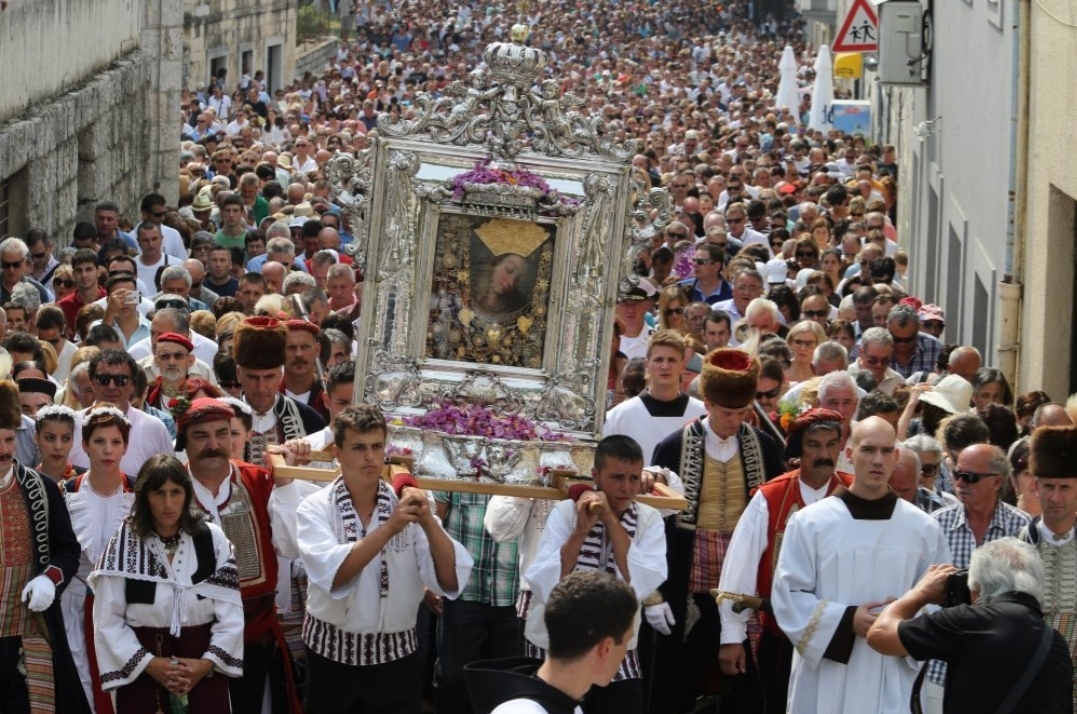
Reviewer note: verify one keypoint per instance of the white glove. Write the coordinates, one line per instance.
(39, 593)
(660, 617)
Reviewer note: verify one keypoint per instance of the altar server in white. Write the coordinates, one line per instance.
(842, 560)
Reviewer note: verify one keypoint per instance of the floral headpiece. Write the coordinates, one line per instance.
(238, 404)
(789, 412)
(101, 411)
(56, 412)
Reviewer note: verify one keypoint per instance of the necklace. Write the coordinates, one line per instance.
(171, 543)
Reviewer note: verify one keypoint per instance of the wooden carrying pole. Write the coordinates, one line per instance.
(661, 496)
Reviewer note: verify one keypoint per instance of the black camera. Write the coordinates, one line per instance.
(957, 589)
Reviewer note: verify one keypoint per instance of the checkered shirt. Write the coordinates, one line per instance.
(924, 359)
(495, 577)
(1006, 521)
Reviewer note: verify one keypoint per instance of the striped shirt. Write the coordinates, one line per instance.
(495, 577)
(1006, 521)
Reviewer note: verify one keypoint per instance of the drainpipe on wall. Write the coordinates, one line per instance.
(1009, 335)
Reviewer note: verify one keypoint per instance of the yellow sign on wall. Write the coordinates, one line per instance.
(849, 65)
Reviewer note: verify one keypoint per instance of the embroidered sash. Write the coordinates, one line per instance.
(596, 553)
(348, 528)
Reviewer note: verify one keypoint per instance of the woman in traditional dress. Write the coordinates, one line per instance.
(98, 502)
(55, 432)
(167, 610)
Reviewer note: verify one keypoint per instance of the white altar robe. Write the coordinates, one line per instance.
(831, 561)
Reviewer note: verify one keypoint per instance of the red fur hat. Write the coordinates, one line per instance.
(258, 343)
(729, 378)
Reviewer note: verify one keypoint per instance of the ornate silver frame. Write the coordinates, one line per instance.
(395, 192)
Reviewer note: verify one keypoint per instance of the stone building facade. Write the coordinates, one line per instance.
(89, 110)
(240, 36)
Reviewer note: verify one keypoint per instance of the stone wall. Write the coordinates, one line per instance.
(314, 57)
(90, 109)
(86, 146)
(50, 46)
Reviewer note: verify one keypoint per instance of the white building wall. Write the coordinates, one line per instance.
(954, 181)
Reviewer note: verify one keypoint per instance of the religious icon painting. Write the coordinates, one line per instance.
(490, 291)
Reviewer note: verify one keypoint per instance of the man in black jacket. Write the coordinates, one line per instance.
(720, 459)
(589, 619)
(991, 645)
(39, 555)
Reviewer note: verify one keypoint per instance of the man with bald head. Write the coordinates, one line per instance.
(964, 362)
(980, 517)
(832, 579)
(1049, 414)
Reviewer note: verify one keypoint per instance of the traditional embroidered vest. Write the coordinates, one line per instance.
(723, 497)
(240, 523)
(16, 561)
(783, 498)
(693, 460)
(289, 426)
(258, 445)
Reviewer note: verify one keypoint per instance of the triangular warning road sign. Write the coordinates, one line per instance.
(860, 30)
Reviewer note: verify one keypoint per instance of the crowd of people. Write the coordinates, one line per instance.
(841, 460)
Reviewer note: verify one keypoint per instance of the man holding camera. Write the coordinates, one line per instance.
(979, 518)
(1053, 534)
(1002, 655)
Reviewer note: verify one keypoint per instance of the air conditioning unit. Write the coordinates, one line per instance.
(904, 42)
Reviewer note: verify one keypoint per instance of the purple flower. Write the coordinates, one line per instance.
(474, 420)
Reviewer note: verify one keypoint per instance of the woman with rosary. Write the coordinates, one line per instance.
(167, 610)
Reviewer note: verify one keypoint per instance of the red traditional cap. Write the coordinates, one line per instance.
(201, 410)
(176, 338)
(812, 417)
(912, 302)
(303, 325)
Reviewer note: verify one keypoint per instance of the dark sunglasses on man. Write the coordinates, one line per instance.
(969, 477)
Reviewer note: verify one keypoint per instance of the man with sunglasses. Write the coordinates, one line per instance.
(876, 347)
(980, 517)
(14, 259)
(707, 284)
(154, 211)
(736, 218)
(112, 380)
(914, 351)
(43, 263)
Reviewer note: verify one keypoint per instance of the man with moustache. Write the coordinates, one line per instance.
(173, 356)
(832, 578)
(259, 349)
(301, 380)
(236, 496)
(814, 438)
